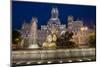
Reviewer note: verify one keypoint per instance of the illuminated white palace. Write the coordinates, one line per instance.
(33, 36)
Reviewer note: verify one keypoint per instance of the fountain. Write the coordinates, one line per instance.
(33, 34)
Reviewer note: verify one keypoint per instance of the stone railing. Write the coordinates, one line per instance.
(52, 54)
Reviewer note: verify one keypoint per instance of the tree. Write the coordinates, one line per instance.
(92, 40)
(16, 39)
(64, 41)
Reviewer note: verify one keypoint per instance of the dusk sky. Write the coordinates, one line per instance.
(24, 11)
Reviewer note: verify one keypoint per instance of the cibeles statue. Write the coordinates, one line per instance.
(50, 41)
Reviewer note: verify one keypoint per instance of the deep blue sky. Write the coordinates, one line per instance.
(24, 11)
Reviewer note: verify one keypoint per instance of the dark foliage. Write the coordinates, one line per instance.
(15, 35)
(92, 40)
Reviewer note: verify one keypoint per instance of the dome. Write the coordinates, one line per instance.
(54, 13)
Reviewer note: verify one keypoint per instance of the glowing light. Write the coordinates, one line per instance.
(17, 39)
(80, 60)
(28, 62)
(60, 61)
(39, 62)
(49, 61)
(84, 28)
(69, 60)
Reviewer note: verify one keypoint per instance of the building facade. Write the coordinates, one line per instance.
(32, 35)
(80, 31)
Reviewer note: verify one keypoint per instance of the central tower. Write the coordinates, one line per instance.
(54, 13)
(54, 23)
